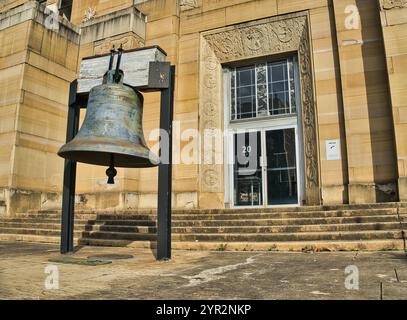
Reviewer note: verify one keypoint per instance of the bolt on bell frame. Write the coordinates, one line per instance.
(161, 78)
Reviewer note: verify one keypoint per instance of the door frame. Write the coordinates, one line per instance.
(262, 126)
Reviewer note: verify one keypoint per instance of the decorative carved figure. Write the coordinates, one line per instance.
(90, 14)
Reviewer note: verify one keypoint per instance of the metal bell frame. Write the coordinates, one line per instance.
(164, 76)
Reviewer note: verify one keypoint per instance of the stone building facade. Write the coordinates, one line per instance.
(319, 86)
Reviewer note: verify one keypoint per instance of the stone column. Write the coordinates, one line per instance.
(394, 26)
(38, 61)
(367, 109)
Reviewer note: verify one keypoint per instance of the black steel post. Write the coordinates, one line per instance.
(165, 172)
(68, 195)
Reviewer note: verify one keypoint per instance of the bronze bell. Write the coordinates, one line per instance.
(112, 134)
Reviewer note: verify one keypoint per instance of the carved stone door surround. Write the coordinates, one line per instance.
(277, 35)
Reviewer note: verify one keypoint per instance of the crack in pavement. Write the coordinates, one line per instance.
(215, 273)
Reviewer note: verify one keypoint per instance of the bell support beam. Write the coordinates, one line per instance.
(165, 168)
(68, 194)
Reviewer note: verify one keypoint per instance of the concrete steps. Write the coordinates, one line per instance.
(347, 227)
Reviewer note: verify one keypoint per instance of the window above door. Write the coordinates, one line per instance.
(65, 8)
(263, 89)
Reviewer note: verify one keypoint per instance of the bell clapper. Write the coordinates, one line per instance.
(111, 172)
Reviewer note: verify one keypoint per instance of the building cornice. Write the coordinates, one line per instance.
(391, 4)
(34, 11)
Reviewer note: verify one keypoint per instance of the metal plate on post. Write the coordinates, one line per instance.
(159, 75)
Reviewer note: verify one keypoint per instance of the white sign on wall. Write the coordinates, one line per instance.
(333, 150)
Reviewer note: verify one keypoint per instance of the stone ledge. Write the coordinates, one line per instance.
(113, 24)
(132, 200)
(32, 10)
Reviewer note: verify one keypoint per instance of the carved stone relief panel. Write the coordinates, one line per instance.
(283, 34)
(257, 40)
(211, 117)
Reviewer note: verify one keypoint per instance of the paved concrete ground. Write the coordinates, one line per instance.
(201, 275)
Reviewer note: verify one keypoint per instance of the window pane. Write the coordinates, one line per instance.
(245, 76)
(263, 89)
(279, 85)
(246, 92)
(280, 103)
(246, 107)
(279, 71)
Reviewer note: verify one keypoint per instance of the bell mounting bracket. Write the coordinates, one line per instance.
(144, 69)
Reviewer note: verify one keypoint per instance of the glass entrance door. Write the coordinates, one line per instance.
(281, 167)
(247, 171)
(265, 170)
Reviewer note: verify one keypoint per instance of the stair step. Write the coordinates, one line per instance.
(291, 228)
(365, 245)
(386, 205)
(117, 243)
(136, 223)
(255, 237)
(42, 220)
(39, 216)
(122, 228)
(251, 215)
(247, 229)
(311, 236)
(253, 222)
(39, 232)
(290, 221)
(118, 235)
(213, 222)
(38, 225)
(226, 214)
(32, 238)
